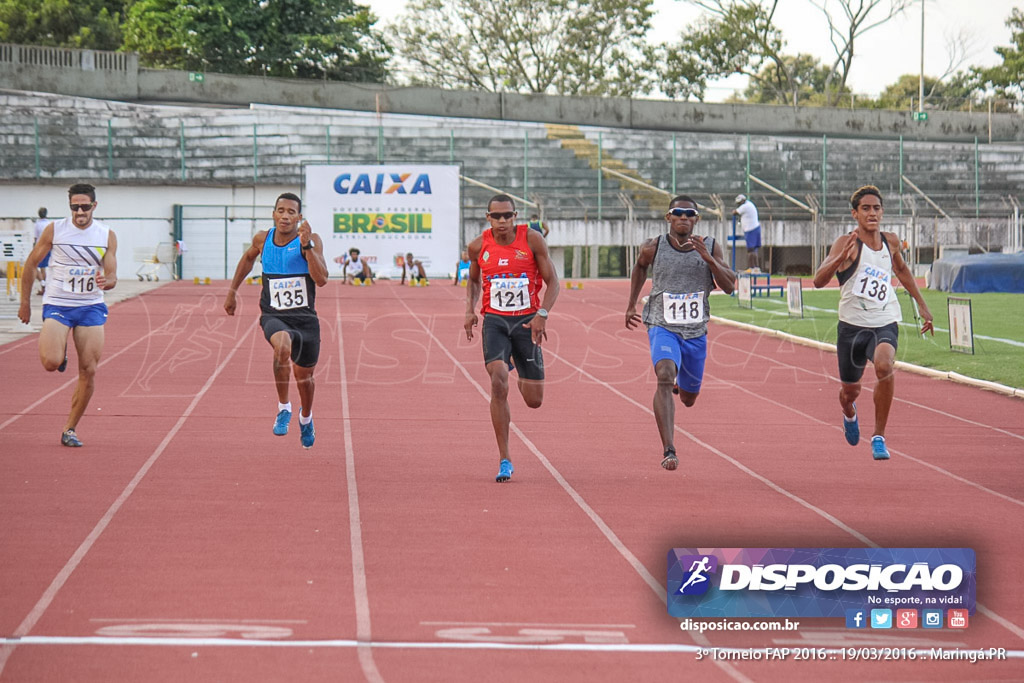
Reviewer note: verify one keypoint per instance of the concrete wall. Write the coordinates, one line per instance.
(141, 216)
(136, 84)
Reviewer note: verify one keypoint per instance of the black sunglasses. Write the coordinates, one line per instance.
(501, 215)
(81, 207)
(689, 213)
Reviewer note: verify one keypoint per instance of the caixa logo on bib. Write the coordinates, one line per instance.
(816, 582)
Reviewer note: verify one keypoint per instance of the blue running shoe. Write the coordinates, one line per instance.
(852, 428)
(505, 471)
(69, 438)
(281, 422)
(307, 435)
(878, 449)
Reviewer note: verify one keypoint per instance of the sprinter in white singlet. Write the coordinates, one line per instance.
(83, 264)
(865, 262)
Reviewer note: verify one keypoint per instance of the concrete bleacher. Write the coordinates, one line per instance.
(718, 164)
(82, 138)
(47, 136)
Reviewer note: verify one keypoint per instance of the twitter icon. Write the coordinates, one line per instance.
(881, 618)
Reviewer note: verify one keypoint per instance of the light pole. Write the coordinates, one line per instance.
(920, 82)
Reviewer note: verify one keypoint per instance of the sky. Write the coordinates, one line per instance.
(881, 56)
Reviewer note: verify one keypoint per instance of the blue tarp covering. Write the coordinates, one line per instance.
(979, 273)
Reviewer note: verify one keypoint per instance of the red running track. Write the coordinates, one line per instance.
(185, 542)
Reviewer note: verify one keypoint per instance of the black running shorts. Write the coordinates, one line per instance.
(855, 346)
(305, 334)
(505, 339)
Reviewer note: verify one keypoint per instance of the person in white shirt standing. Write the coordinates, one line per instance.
(751, 226)
(41, 268)
(83, 264)
(865, 262)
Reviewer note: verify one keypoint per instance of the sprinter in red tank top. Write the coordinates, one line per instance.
(508, 264)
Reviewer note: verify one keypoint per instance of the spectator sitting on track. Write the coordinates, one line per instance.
(415, 270)
(355, 269)
(869, 314)
(686, 267)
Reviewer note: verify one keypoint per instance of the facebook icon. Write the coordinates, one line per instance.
(856, 618)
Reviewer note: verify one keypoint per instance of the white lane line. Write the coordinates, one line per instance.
(361, 594)
(896, 399)
(71, 381)
(172, 620)
(606, 530)
(1007, 624)
(643, 347)
(761, 331)
(18, 344)
(906, 456)
(65, 573)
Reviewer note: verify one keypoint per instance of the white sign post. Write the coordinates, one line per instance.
(795, 296)
(386, 211)
(743, 291)
(961, 325)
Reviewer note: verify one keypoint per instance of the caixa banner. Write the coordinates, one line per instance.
(816, 582)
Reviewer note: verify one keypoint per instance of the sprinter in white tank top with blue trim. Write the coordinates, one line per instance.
(686, 267)
(83, 264)
(865, 262)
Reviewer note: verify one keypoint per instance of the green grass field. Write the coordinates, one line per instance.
(995, 316)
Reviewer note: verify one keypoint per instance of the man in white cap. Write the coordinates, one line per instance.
(751, 227)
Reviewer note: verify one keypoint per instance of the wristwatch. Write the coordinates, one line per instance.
(308, 246)
(542, 312)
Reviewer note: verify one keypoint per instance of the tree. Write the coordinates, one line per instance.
(568, 47)
(806, 78)
(733, 37)
(322, 39)
(859, 17)
(90, 24)
(1007, 79)
(739, 37)
(304, 38)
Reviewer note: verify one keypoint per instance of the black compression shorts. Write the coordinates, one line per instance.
(855, 346)
(305, 334)
(505, 339)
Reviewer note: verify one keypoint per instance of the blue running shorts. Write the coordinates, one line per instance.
(753, 238)
(688, 355)
(76, 316)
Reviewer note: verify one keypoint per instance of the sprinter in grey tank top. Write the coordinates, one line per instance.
(686, 267)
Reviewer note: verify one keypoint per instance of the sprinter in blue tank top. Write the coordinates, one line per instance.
(293, 267)
(686, 267)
